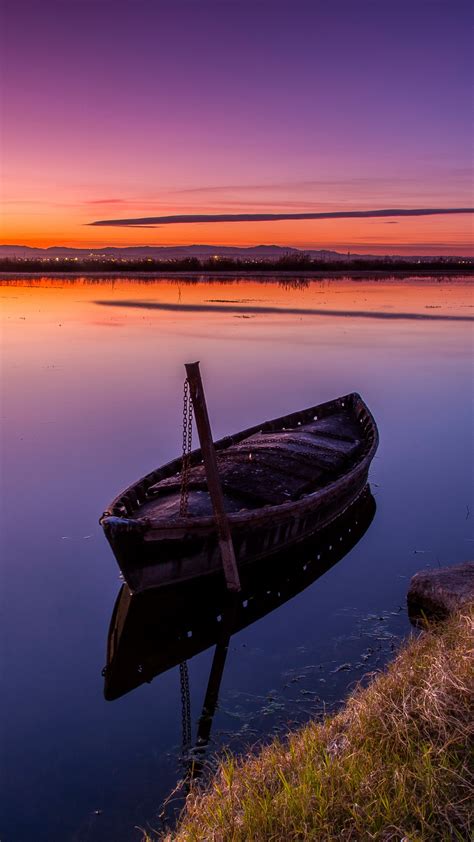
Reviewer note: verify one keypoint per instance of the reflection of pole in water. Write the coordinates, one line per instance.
(212, 692)
(185, 706)
(213, 686)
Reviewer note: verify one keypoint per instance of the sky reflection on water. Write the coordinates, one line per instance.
(92, 400)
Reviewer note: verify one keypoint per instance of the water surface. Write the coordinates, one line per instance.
(92, 373)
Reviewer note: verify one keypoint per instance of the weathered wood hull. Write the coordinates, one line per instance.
(157, 552)
(165, 555)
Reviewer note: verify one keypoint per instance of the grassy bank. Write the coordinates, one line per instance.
(393, 764)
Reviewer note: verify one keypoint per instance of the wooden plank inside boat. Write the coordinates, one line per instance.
(266, 468)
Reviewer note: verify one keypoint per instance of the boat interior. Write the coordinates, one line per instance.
(266, 468)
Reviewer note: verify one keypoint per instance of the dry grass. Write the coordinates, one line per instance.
(394, 764)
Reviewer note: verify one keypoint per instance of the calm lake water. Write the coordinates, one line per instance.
(92, 378)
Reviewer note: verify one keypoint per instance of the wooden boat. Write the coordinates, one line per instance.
(154, 631)
(281, 481)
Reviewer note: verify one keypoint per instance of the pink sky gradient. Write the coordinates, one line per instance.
(139, 109)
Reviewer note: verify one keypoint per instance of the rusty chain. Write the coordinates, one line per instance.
(187, 446)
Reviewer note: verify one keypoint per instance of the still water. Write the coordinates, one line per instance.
(92, 378)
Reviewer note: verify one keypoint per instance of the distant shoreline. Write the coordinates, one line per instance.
(287, 265)
(418, 271)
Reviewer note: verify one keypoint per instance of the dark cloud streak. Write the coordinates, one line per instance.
(276, 217)
(295, 311)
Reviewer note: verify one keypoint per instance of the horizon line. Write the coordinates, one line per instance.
(380, 250)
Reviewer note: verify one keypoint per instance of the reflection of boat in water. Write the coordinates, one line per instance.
(155, 630)
(281, 481)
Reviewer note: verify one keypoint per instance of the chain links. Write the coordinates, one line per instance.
(187, 446)
(185, 704)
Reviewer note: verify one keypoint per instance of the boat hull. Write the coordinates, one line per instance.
(151, 557)
(154, 552)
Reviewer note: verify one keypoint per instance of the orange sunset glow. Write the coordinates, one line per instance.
(237, 132)
(70, 226)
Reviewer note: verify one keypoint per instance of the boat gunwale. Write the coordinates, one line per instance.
(196, 524)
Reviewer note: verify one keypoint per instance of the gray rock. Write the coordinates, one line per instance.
(437, 593)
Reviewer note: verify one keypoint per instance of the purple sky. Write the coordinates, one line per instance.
(154, 108)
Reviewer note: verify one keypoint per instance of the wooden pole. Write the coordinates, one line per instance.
(213, 481)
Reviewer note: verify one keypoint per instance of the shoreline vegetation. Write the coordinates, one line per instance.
(393, 764)
(217, 265)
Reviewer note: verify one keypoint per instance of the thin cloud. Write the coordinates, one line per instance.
(187, 219)
(105, 202)
(292, 185)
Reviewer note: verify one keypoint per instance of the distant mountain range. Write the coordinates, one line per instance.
(202, 252)
(163, 252)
